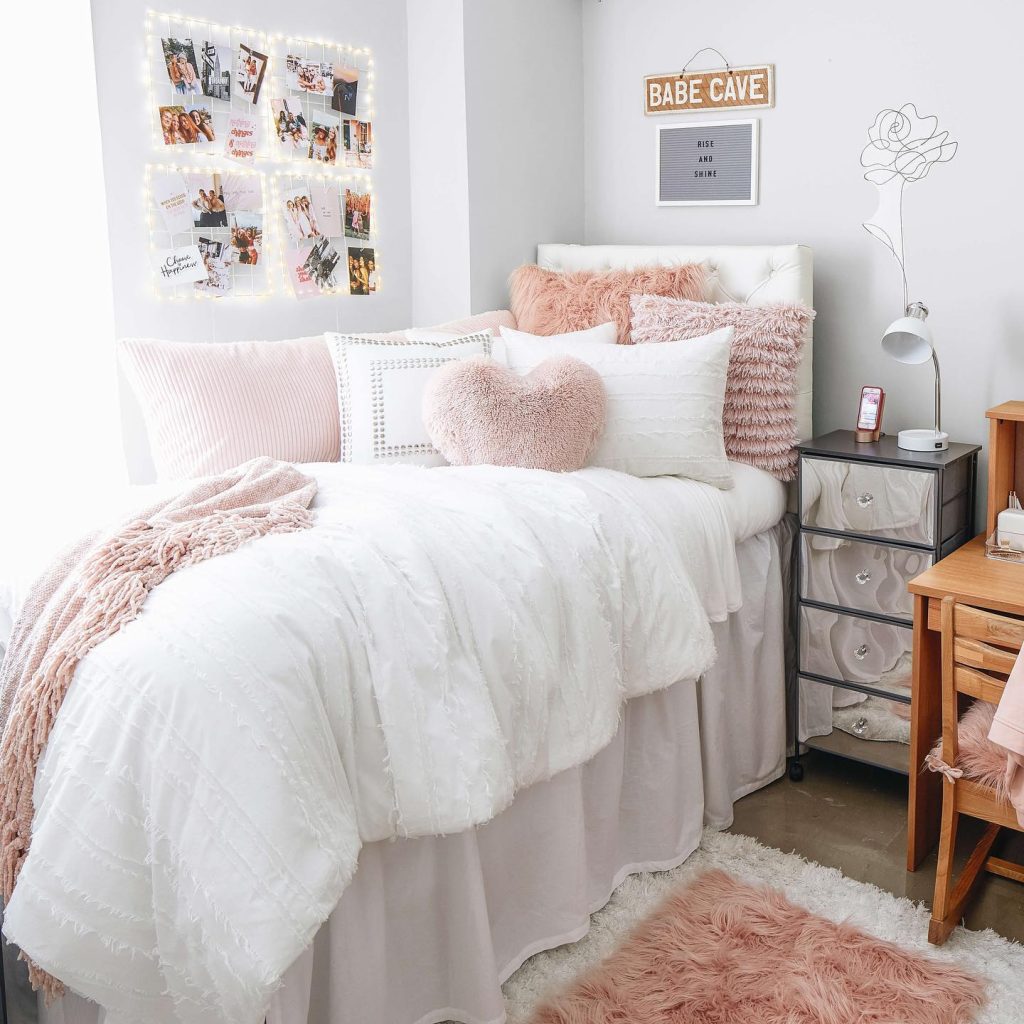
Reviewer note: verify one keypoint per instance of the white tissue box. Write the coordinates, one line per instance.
(1010, 529)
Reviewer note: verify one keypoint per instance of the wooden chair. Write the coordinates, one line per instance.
(979, 649)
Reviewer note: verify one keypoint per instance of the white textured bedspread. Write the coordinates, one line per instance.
(438, 640)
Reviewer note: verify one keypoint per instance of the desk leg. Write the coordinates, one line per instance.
(925, 796)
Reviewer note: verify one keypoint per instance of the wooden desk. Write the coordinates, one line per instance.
(976, 580)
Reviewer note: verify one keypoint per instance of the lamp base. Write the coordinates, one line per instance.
(923, 440)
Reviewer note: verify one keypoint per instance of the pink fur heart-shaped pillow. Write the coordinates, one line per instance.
(478, 412)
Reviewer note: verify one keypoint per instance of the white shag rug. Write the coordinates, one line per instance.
(823, 891)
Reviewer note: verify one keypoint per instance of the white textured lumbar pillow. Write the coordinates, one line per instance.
(664, 412)
(380, 393)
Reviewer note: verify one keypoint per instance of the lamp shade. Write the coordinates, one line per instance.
(908, 340)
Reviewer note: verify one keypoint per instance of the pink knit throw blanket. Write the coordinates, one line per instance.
(97, 587)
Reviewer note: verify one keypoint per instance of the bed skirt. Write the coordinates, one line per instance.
(429, 928)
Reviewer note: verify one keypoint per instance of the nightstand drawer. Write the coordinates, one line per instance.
(844, 647)
(867, 728)
(870, 499)
(859, 575)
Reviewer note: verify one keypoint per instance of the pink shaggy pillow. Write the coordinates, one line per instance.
(546, 302)
(759, 419)
(478, 412)
(979, 758)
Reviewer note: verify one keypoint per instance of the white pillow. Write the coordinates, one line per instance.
(380, 393)
(664, 412)
(602, 334)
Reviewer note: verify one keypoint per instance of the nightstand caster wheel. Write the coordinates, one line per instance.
(796, 771)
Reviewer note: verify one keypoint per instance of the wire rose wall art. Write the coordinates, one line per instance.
(902, 148)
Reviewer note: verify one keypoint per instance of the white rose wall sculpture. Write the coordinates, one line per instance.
(902, 148)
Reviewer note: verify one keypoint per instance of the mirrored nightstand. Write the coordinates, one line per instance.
(872, 516)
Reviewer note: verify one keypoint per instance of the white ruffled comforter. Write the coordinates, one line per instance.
(439, 640)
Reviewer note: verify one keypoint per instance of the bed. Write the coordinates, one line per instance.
(460, 912)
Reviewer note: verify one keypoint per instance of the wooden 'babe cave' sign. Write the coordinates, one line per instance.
(718, 89)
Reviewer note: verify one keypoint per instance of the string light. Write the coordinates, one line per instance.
(274, 86)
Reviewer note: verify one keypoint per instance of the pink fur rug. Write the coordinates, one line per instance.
(723, 952)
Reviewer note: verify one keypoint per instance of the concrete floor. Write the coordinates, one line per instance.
(853, 817)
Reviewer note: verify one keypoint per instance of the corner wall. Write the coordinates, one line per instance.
(524, 122)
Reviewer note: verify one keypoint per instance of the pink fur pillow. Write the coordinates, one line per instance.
(547, 302)
(478, 412)
(760, 394)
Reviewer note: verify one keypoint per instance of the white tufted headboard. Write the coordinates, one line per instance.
(735, 273)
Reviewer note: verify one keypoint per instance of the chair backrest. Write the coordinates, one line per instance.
(979, 649)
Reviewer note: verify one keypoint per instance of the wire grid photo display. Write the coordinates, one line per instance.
(327, 226)
(320, 104)
(206, 228)
(207, 85)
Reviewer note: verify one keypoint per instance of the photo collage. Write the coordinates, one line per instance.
(320, 216)
(249, 97)
(316, 119)
(221, 216)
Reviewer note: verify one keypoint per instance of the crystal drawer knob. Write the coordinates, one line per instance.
(864, 576)
(860, 653)
(865, 499)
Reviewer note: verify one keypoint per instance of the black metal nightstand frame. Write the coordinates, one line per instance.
(840, 446)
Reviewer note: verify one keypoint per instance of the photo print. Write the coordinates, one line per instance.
(250, 67)
(187, 125)
(215, 70)
(206, 197)
(246, 237)
(362, 271)
(303, 285)
(183, 265)
(182, 69)
(305, 75)
(176, 126)
(300, 219)
(290, 124)
(201, 117)
(218, 279)
(358, 142)
(323, 142)
(170, 194)
(326, 202)
(357, 214)
(240, 140)
(345, 85)
(210, 248)
(242, 192)
(322, 264)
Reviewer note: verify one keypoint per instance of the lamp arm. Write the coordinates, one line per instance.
(938, 394)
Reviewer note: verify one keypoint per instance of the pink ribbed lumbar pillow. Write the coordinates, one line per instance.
(547, 302)
(760, 394)
(211, 406)
(478, 412)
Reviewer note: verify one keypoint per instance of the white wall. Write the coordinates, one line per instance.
(836, 66)
(524, 123)
(496, 125)
(439, 163)
(118, 27)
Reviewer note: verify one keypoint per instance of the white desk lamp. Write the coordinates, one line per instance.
(909, 340)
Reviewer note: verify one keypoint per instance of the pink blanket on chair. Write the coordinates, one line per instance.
(1008, 731)
(96, 588)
